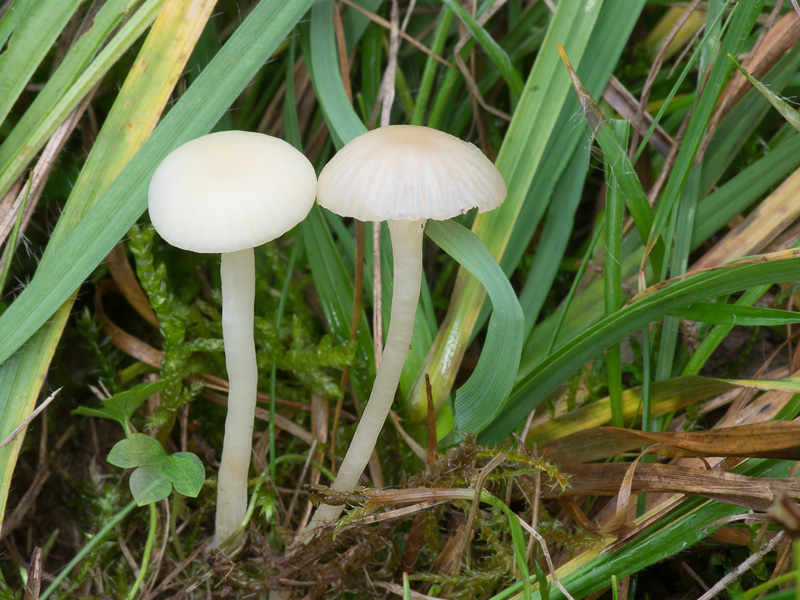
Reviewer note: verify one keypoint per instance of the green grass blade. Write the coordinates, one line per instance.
(535, 385)
(431, 67)
(733, 314)
(339, 114)
(743, 189)
(531, 150)
(493, 50)
(684, 223)
(743, 19)
(335, 290)
(139, 106)
(612, 258)
(745, 117)
(107, 18)
(23, 143)
(193, 115)
(618, 166)
(783, 107)
(556, 233)
(30, 41)
(479, 400)
(15, 14)
(715, 337)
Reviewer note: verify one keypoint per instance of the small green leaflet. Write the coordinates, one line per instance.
(156, 472)
(120, 408)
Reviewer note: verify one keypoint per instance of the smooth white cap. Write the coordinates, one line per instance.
(229, 191)
(409, 172)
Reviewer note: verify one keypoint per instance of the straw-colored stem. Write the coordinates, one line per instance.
(238, 298)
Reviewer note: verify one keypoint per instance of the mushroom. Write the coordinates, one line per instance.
(402, 174)
(228, 192)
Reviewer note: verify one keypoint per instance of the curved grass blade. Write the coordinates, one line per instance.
(525, 152)
(481, 398)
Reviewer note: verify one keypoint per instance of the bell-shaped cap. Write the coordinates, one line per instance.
(230, 190)
(409, 172)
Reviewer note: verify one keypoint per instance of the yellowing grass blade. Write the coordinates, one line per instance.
(132, 118)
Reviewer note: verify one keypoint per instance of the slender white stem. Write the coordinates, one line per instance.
(407, 254)
(238, 299)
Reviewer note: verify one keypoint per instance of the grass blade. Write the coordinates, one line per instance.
(479, 400)
(30, 41)
(193, 115)
(533, 387)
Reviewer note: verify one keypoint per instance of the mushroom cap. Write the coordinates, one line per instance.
(230, 190)
(409, 172)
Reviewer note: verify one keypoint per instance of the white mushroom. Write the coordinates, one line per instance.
(228, 192)
(405, 175)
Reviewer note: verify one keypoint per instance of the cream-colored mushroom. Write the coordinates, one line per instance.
(228, 192)
(405, 175)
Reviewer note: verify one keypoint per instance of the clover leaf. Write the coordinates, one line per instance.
(157, 472)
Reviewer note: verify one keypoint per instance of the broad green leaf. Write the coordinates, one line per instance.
(136, 450)
(481, 398)
(186, 472)
(156, 473)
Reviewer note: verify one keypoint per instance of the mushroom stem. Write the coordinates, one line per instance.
(238, 299)
(407, 255)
